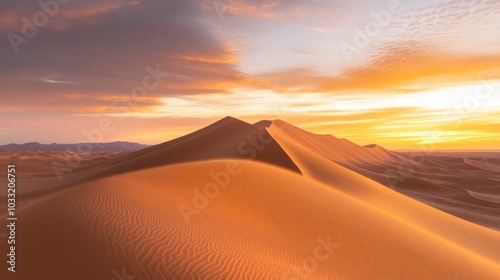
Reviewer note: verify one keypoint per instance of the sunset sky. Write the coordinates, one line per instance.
(395, 73)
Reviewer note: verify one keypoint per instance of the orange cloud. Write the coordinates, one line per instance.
(399, 68)
(404, 64)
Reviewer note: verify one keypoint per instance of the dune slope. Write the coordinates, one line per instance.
(278, 225)
(473, 238)
(453, 183)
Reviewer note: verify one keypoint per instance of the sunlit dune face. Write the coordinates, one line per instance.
(430, 72)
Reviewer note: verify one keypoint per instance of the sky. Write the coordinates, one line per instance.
(401, 74)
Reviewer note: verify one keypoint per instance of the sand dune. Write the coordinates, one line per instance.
(406, 209)
(333, 148)
(486, 197)
(227, 138)
(200, 207)
(258, 227)
(484, 164)
(443, 180)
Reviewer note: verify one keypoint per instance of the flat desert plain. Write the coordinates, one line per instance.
(255, 201)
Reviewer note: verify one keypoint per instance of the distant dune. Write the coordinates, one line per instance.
(241, 201)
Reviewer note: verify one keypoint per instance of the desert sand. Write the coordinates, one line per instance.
(242, 201)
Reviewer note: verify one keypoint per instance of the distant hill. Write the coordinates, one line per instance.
(85, 147)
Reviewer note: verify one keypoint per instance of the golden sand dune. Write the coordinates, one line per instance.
(333, 148)
(198, 207)
(277, 225)
(227, 138)
(443, 180)
(406, 209)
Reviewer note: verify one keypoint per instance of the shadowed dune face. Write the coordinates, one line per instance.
(263, 201)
